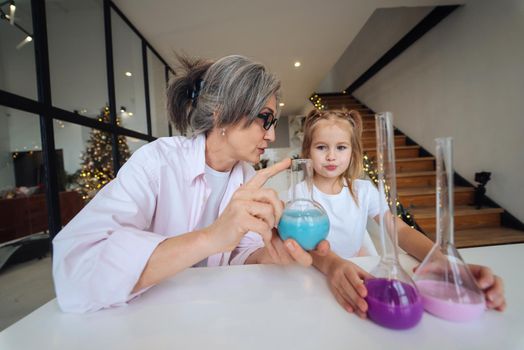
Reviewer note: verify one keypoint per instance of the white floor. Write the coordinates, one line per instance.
(24, 288)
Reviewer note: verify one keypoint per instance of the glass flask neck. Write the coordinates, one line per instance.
(445, 210)
(302, 179)
(387, 186)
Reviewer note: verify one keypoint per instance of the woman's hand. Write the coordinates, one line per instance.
(346, 281)
(252, 208)
(285, 252)
(491, 285)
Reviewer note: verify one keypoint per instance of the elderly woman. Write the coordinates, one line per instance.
(180, 202)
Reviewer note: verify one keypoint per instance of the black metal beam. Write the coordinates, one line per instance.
(25, 104)
(108, 34)
(425, 25)
(146, 87)
(46, 124)
(166, 76)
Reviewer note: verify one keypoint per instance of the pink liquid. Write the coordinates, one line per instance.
(443, 300)
(393, 304)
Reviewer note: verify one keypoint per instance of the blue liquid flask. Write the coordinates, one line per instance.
(303, 220)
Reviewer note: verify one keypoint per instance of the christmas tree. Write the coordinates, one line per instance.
(97, 160)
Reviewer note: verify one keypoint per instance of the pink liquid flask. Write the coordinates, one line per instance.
(446, 284)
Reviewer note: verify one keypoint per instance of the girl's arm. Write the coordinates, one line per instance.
(414, 242)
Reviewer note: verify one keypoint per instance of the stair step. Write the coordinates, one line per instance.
(417, 197)
(368, 125)
(416, 179)
(487, 236)
(415, 164)
(411, 151)
(370, 142)
(465, 217)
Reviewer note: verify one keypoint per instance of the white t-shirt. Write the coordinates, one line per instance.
(217, 182)
(347, 220)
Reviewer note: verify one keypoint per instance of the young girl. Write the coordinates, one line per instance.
(332, 139)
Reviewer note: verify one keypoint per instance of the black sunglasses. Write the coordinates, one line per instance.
(269, 120)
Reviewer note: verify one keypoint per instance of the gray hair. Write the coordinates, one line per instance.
(234, 87)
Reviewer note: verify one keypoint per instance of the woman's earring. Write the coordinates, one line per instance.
(223, 132)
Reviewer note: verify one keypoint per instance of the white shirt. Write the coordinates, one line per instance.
(160, 192)
(347, 220)
(217, 182)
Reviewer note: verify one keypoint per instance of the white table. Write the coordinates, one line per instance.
(268, 307)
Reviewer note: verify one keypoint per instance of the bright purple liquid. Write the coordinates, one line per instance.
(393, 304)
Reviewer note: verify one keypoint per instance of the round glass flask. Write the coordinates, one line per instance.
(303, 219)
(446, 284)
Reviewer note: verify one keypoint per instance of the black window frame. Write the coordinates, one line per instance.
(48, 113)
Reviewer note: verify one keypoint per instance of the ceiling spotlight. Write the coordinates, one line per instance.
(12, 10)
(23, 42)
(128, 74)
(297, 64)
(281, 104)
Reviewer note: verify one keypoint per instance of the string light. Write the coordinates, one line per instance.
(317, 101)
(402, 213)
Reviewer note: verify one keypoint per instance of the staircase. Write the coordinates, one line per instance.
(416, 179)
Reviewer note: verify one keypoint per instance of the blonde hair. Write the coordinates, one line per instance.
(355, 167)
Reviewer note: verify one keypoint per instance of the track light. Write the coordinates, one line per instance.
(12, 10)
(11, 19)
(27, 39)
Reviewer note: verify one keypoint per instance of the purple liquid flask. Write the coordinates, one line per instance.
(303, 219)
(445, 282)
(393, 299)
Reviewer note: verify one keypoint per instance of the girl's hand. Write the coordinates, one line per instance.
(346, 281)
(286, 252)
(492, 286)
(252, 208)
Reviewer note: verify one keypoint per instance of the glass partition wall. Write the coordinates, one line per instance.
(74, 75)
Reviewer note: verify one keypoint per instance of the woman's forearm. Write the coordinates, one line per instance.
(174, 255)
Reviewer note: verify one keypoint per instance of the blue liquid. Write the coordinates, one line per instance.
(307, 227)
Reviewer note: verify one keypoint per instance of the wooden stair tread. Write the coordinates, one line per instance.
(417, 173)
(487, 236)
(374, 139)
(460, 210)
(414, 159)
(396, 147)
(414, 191)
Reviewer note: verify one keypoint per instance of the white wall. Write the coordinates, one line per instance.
(465, 79)
(383, 29)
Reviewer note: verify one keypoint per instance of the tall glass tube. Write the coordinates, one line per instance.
(446, 284)
(303, 219)
(393, 299)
